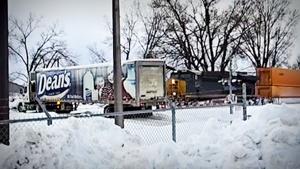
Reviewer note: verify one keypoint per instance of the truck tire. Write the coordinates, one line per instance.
(148, 114)
(63, 111)
(38, 109)
(68, 107)
(21, 108)
(108, 109)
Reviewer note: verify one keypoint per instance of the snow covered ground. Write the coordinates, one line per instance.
(205, 139)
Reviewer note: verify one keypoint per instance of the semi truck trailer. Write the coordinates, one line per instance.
(62, 89)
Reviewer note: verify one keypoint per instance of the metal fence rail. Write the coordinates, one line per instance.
(152, 126)
(171, 124)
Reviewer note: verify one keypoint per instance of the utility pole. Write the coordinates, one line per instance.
(119, 120)
(4, 110)
(230, 85)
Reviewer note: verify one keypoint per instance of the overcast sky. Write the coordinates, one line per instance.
(85, 21)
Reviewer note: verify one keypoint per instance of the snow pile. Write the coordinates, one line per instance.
(269, 139)
(73, 143)
(89, 108)
(281, 137)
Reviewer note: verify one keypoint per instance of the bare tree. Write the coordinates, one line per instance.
(127, 31)
(97, 55)
(199, 34)
(127, 34)
(297, 64)
(152, 32)
(270, 34)
(141, 32)
(178, 44)
(36, 48)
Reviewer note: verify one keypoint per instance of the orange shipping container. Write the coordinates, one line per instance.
(278, 77)
(277, 91)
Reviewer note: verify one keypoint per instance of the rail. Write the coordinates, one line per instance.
(90, 114)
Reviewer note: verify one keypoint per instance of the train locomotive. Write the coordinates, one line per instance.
(189, 86)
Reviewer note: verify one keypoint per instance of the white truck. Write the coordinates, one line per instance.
(62, 89)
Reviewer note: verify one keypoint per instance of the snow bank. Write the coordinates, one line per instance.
(90, 108)
(269, 139)
(72, 143)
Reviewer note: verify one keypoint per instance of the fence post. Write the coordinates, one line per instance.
(39, 102)
(244, 102)
(173, 122)
(230, 85)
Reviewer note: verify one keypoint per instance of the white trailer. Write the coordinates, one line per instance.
(61, 89)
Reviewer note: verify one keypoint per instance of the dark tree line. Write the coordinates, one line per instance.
(201, 36)
(271, 33)
(198, 34)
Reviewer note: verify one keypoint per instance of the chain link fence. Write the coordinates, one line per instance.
(151, 126)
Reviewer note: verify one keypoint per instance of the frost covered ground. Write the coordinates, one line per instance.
(205, 139)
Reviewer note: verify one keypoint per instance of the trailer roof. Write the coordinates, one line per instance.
(144, 60)
(77, 67)
(106, 64)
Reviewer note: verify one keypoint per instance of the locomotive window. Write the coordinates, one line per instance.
(175, 76)
(32, 86)
(197, 84)
(185, 76)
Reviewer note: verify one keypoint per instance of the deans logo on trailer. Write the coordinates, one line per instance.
(53, 85)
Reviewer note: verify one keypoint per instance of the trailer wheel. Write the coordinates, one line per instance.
(108, 109)
(21, 108)
(63, 111)
(148, 114)
(38, 109)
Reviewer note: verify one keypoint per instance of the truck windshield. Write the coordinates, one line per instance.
(32, 84)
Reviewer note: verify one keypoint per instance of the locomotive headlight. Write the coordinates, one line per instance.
(173, 81)
(174, 93)
(58, 104)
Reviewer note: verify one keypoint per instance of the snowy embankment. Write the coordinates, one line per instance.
(269, 139)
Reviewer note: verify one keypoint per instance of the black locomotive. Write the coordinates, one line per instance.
(194, 85)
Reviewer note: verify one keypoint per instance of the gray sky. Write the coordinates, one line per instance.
(85, 21)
